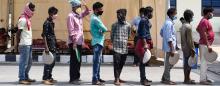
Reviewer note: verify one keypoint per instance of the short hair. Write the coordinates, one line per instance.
(31, 5)
(52, 10)
(207, 10)
(141, 10)
(123, 11)
(149, 9)
(97, 5)
(188, 14)
(181, 19)
(171, 11)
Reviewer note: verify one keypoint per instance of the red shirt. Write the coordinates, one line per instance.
(205, 26)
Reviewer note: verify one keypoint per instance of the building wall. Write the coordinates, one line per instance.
(109, 15)
(3, 12)
(196, 7)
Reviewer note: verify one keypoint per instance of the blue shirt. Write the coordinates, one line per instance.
(168, 33)
(136, 22)
(97, 30)
(144, 29)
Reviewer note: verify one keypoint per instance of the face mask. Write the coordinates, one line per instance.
(100, 13)
(174, 17)
(211, 16)
(54, 17)
(79, 10)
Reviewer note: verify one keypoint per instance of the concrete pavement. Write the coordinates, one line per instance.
(9, 74)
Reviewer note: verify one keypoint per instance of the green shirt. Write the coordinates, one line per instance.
(97, 30)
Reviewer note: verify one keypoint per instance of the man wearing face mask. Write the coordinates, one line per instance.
(97, 29)
(206, 39)
(168, 34)
(120, 33)
(144, 39)
(24, 38)
(75, 39)
(187, 44)
(49, 37)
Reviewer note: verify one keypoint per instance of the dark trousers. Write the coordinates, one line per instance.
(186, 68)
(119, 61)
(74, 63)
(136, 59)
(49, 68)
(142, 71)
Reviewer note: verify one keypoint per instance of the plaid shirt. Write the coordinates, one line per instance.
(119, 37)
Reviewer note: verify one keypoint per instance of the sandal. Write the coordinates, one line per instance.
(189, 82)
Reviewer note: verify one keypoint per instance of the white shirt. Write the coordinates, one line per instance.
(26, 35)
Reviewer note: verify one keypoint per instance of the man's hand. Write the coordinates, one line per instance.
(47, 51)
(171, 54)
(209, 49)
(74, 46)
(193, 53)
(145, 47)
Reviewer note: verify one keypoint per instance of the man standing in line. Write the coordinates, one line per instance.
(168, 34)
(49, 37)
(187, 44)
(144, 36)
(97, 31)
(120, 33)
(207, 36)
(24, 38)
(76, 39)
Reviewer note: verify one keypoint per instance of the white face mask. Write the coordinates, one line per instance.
(54, 17)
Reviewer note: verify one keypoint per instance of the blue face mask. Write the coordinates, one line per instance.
(174, 17)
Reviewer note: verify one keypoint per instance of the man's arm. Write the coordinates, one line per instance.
(189, 40)
(86, 12)
(100, 25)
(45, 32)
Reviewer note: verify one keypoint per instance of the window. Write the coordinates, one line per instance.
(215, 4)
(172, 3)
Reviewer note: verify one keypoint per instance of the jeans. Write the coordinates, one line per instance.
(168, 67)
(25, 61)
(97, 51)
(74, 63)
(48, 68)
(119, 61)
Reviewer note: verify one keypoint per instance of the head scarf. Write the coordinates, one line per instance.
(75, 3)
(27, 11)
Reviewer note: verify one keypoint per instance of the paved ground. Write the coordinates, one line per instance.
(8, 75)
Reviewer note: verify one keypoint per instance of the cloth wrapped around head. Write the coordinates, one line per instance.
(27, 11)
(75, 3)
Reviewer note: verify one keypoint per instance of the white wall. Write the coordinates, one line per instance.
(196, 7)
